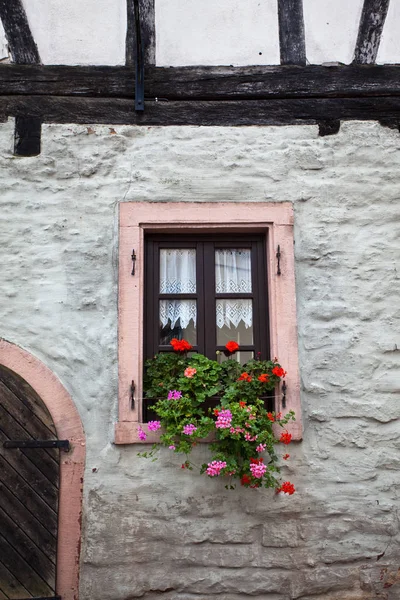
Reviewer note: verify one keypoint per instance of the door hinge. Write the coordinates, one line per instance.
(27, 444)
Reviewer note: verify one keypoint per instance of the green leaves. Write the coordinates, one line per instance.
(241, 426)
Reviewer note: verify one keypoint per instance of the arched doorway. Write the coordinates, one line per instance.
(41, 483)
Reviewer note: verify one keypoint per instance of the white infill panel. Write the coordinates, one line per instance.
(389, 49)
(78, 32)
(3, 43)
(331, 28)
(228, 32)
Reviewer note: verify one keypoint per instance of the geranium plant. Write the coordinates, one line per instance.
(243, 443)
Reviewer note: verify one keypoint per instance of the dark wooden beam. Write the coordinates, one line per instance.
(291, 32)
(147, 18)
(370, 30)
(203, 83)
(116, 111)
(20, 40)
(27, 136)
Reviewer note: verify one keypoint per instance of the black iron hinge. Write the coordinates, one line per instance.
(284, 389)
(133, 256)
(133, 394)
(278, 258)
(26, 444)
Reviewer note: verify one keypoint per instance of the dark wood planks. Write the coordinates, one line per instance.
(291, 32)
(203, 83)
(147, 20)
(226, 113)
(29, 481)
(23, 571)
(20, 40)
(30, 552)
(10, 586)
(370, 30)
(37, 410)
(20, 514)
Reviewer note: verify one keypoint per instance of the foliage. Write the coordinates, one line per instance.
(240, 428)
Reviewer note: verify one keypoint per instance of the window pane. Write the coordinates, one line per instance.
(178, 319)
(177, 271)
(240, 357)
(233, 271)
(234, 318)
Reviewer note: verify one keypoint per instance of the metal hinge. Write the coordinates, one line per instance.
(63, 444)
(278, 258)
(133, 256)
(133, 394)
(284, 389)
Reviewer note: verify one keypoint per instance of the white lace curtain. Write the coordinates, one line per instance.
(232, 275)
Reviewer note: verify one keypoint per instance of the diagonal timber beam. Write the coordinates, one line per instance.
(370, 31)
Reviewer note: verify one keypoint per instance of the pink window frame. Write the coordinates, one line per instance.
(138, 218)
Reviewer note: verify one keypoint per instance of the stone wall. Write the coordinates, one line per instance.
(153, 530)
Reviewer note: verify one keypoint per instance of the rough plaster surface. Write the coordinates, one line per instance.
(153, 530)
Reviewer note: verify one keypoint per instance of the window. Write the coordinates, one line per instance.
(207, 272)
(207, 289)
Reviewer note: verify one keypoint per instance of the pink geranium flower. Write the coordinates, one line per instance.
(189, 372)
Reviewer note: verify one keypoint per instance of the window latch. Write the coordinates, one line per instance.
(133, 261)
(278, 258)
(132, 394)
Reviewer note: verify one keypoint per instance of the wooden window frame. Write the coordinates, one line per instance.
(136, 220)
(205, 294)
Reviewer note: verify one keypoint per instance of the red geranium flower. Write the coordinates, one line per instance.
(180, 345)
(242, 404)
(216, 412)
(285, 437)
(271, 417)
(245, 480)
(264, 378)
(256, 461)
(279, 372)
(286, 456)
(244, 377)
(231, 347)
(286, 488)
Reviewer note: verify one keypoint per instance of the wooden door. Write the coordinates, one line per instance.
(29, 482)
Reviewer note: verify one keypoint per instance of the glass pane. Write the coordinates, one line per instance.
(178, 271)
(240, 357)
(178, 319)
(234, 321)
(233, 271)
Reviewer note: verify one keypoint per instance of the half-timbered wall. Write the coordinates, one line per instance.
(152, 530)
(228, 32)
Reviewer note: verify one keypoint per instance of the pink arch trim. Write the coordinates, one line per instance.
(69, 426)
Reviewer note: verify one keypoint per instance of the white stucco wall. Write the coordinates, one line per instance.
(84, 32)
(389, 49)
(3, 43)
(152, 530)
(331, 30)
(228, 32)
